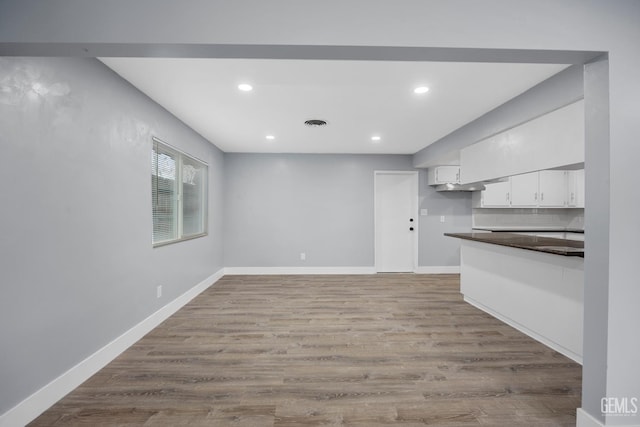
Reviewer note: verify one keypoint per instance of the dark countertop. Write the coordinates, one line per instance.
(550, 245)
(532, 229)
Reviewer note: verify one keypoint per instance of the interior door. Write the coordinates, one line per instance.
(396, 221)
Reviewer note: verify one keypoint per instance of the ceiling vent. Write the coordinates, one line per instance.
(315, 122)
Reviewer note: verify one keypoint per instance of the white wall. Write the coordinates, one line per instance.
(77, 266)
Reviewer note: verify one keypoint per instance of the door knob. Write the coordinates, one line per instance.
(410, 219)
(410, 228)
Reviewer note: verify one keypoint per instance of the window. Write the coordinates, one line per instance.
(178, 194)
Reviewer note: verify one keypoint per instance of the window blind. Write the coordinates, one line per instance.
(193, 220)
(178, 193)
(164, 194)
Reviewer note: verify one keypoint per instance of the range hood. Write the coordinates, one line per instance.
(478, 186)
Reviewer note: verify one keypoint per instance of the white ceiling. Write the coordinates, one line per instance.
(358, 99)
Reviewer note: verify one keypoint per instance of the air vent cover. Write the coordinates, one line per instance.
(315, 122)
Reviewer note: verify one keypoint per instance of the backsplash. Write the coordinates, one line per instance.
(528, 217)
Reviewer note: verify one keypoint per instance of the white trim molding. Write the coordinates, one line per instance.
(34, 405)
(439, 269)
(525, 330)
(234, 271)
(583, 419)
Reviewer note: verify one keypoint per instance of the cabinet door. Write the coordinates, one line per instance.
(575, 189)
(552, 189)
(496, 195)
(448, 174)
(524, 190)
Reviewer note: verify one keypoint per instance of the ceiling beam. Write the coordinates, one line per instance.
(254, 51)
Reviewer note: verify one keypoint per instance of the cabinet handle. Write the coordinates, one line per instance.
(457, 177)
(535, 196)
(507, 197)
(541, 196)
(572, 196)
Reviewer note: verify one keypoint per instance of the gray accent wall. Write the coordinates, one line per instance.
(279, 205)
(436, 249)
(77, 268)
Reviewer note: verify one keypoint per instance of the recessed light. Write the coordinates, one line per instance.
(421, 90)
(245, 87)
(376, 138)
(270, 137)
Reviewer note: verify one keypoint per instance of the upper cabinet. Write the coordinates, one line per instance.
(495, 195)
(524, 190)
(543, 189)
(443, 175)
(546, 189)
(528, 147)
(575, 188)
(552, 189)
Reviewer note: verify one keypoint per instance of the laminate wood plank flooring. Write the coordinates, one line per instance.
(370, 350)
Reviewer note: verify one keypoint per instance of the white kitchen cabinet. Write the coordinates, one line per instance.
(443, 175)
(527, 147)
(496, 195)
(524, 190)
(575, 189)
(552, 189)
(537, 293)
(543, 189)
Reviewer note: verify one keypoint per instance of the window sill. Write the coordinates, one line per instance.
(182, 239)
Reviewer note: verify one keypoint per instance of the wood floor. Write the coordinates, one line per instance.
(368, 351)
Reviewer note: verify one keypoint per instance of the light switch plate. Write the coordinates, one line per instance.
(424, 212)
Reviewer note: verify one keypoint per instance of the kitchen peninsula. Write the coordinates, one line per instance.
(534, 284)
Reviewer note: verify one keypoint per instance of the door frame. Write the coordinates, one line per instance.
(415, 196)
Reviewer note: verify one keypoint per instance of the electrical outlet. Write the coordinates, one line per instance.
(303, 256)
(159, 291)
(441, 218)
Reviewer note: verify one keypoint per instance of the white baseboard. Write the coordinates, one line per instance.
(585, 420)
(34, 405)
(553, 345)
(233, 271)
(443, 269)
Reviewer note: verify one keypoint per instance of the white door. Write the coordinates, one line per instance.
(396, 221)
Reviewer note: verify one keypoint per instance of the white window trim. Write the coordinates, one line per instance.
(205, 199)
